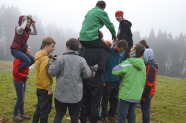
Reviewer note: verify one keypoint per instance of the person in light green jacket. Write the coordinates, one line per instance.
(133, 73)
(95, 19)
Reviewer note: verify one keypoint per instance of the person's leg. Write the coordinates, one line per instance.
(32, 59)
(114, 98)
(145, 108)
(61, 109)
(105, 99)
(20, 55)
(96, 93)
(43, 106)
(73, 111)
(123, 108)
(98, 43)
(131, 117)
(85, 104)
(19, 92)
(23, 93)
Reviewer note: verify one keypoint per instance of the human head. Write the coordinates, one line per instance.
(121, 46)
(26, 49)
(138, 50)
(72, 44)
(148, 55)
(48, 44)
(101, 4)
(119, 15)
(108, 43)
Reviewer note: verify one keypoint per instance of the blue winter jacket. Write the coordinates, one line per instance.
(114, 59)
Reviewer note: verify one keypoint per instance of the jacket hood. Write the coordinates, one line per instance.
(129, 23)
(148, 55)
(20, 20)
(40, 54)
(138, 63)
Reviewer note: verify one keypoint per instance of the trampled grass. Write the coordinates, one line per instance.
(168, 104)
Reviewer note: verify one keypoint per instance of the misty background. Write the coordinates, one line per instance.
(166, 37)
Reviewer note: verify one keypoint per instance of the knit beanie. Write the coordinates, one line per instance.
(119, 12)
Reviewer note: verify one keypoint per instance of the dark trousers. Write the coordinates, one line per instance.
(98, 43)
(90, 103)
(110, 93)
(28, 60)
(20, 87)
(43, 107)
(61, 109)
(145, 108)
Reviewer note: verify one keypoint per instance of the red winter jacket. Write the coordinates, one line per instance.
(151, 73)
(20, 40)
(19, 76)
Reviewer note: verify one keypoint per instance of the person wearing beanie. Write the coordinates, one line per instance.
(22, 33)
(124, 31)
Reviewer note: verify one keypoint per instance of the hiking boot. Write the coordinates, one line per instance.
(24, 116)
(112, 119)
(17, 118)
(104, 120)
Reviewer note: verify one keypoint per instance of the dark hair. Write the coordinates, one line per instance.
(24, 48)
(122, 44)
(139, 50)
(101, 4)
(47, 41)
(73, 44)
(143, 42)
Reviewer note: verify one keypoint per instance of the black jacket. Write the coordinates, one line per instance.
(124, 32)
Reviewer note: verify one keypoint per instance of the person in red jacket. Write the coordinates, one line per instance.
(20, 78)
(149, 90)
(22, 33)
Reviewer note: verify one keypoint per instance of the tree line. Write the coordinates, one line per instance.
(170, 53)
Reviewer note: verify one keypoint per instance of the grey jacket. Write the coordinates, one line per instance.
(69, 70)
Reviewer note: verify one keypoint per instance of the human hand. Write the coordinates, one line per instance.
(55, 57)
(24, 18)
(50, 91)
(114, 41)
(104, 84)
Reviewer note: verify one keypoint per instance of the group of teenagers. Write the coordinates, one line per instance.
(90, 74)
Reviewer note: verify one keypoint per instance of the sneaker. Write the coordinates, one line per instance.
(104, 120)
(112, 119)
(24, 116)
(17, 118)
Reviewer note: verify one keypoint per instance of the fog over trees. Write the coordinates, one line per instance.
(170, 53)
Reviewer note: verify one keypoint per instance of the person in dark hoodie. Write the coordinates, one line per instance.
(124, 31)
(22, 33)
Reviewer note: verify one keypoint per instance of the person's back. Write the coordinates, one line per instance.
(69, 70)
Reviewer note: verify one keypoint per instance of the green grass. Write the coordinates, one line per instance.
(6, 65)
(168, 104)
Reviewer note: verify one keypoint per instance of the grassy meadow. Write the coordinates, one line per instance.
(168, 104)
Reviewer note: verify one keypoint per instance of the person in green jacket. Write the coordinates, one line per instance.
(133, 73)
(95, 19)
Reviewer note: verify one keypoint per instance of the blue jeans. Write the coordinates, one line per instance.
(20, 87)
(145, 108)
(28, 60)
(126, 110)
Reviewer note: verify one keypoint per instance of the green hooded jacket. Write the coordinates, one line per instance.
(95, 19)
(133, 73)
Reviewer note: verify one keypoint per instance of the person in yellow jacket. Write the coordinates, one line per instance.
(43, 81)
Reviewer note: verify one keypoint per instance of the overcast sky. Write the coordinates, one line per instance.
(168, 15)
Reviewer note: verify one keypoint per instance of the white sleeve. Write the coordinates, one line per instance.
(20, 29)
(35, 30)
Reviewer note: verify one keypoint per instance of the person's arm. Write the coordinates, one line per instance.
(105, 19)
(54, 67)
(151, 72)
(16, 70)
(21, 28)
(86, 72)
(35, 30)
(121, 69)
